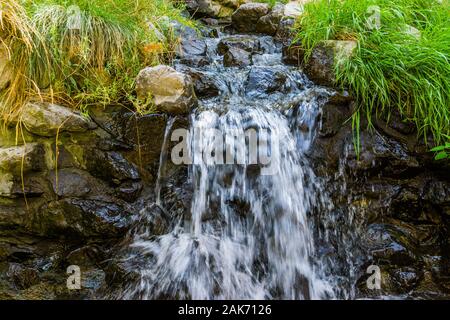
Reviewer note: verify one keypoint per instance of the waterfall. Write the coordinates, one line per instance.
(250, 231)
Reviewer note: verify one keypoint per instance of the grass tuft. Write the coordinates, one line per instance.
(392, 69)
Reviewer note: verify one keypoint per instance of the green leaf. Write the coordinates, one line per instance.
(441, 155)
(439, 148)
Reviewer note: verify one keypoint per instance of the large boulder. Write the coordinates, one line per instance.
(321, 64)
(172, 91)
(47, 119)
(246, 17)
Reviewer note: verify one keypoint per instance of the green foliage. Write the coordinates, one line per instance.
(393, 69)
(272, 2)
(443, 151)
(88, 52)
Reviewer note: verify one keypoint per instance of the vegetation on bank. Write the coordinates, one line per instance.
(402, 62)
(82, 52)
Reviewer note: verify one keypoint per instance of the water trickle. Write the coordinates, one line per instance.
(163, 159)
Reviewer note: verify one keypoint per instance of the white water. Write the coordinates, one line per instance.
(248, 235)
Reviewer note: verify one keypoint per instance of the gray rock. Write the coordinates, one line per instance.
(171, 91)
(111, 166)
(264, 80)
(243, 42)
(73, 217)
(47, 119)
(236, 57)
(324, 57)
(268, 24)
(204, 82)
(21, 276)
(23, 159)
(246, 17)
(212, 8)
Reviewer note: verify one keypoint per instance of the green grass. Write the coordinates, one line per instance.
(86, 52)
(391, 69)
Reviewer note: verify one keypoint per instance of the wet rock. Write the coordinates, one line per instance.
(405, 279)
(191, 45)
(246, 17)
(204, 82)
(6, 70)
(23, 159)
(333, 118)
(268, 24)
(243, 42)
(285, 32)
(31, 186)
(71, 182)
(320, 66)
(86, 256)
(381, 154)
(21, 276)
(236, 57)
(155, 221)
(293, 54)
(194, 61)
(111, 166)
(389, 245)
(129, 190)
(171, 91)
(265, 80)
(267, 45)
(47, 119)
(146, 151)
(72, 217)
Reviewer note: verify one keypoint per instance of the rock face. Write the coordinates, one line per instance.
(47, 119)
(320, 66)
(246, 17)
(172, 91)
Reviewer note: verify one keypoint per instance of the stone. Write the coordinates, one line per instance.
(212, 8)
(74, 218)
(268, 24)
(293, 54)
(236, 57)
(295, 9)
(6, 69)
(246, 17)
(264, 80)
(244, 42)
(71, 182)
(204, 83)
(21, 276)
(171, 91)
(47, 119)
(324, 57)
(110, 166)
(23, 159)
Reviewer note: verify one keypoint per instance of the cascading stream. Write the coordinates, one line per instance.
(250, 231)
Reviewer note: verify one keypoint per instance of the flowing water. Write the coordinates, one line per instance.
(252, 227)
